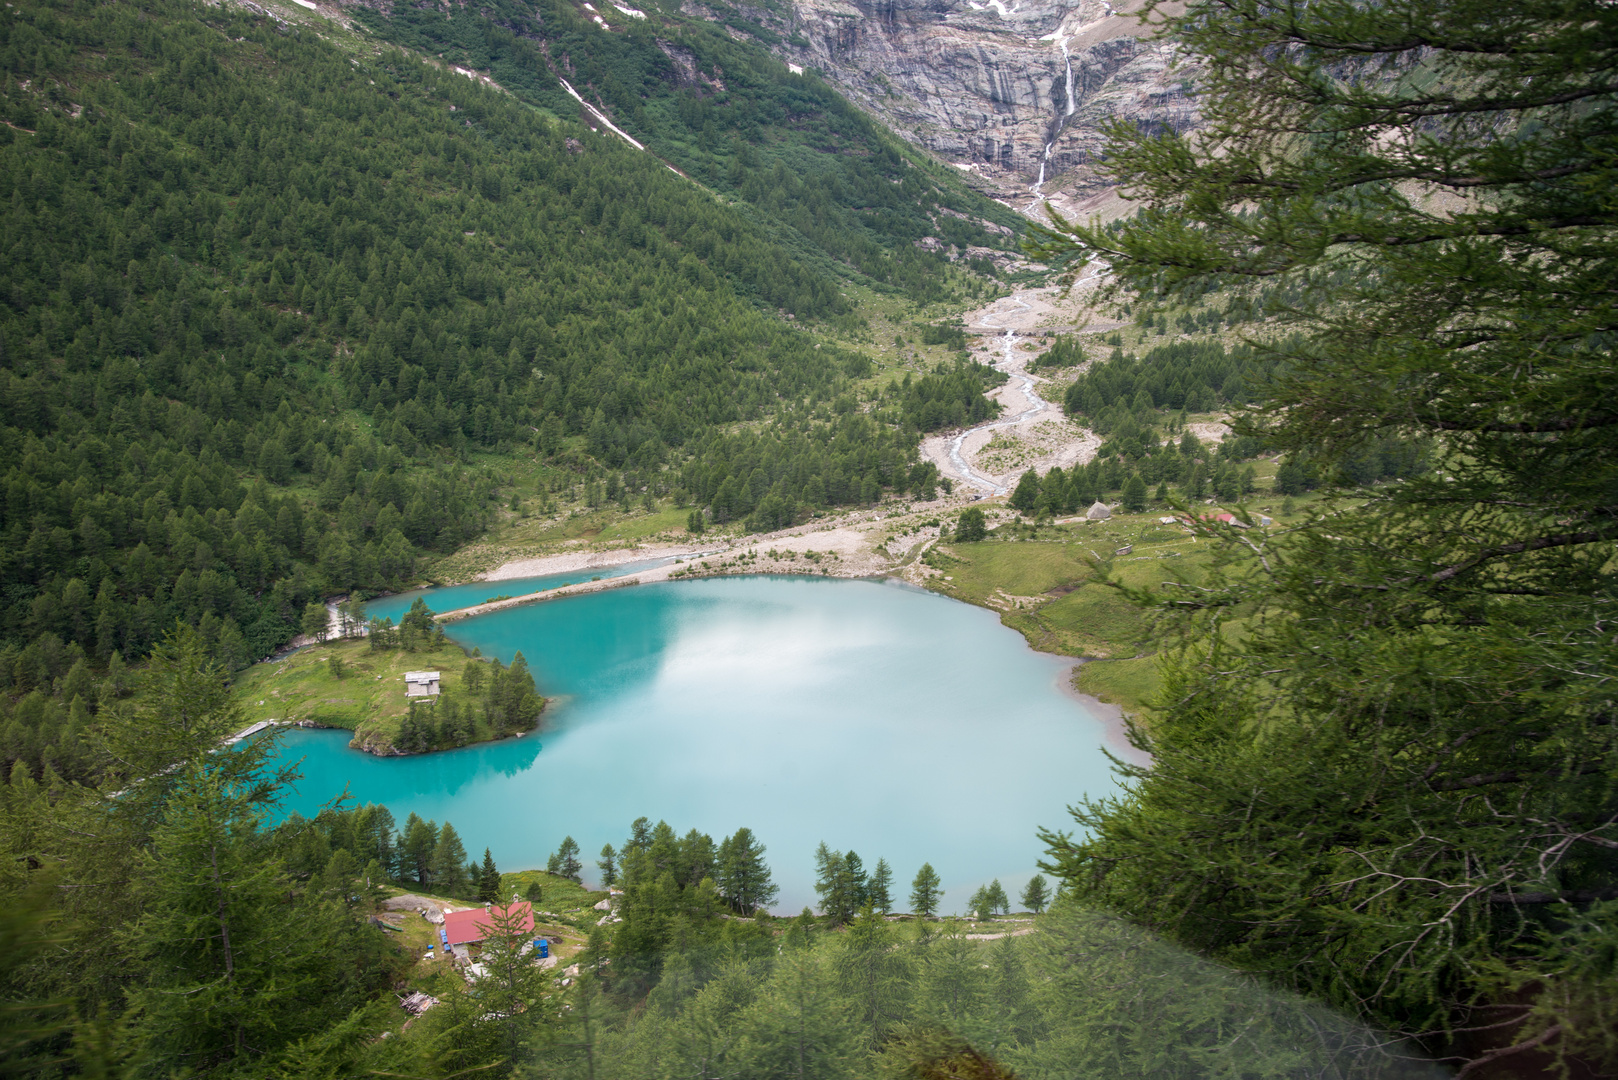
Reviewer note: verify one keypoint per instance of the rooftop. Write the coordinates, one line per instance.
(465, 927)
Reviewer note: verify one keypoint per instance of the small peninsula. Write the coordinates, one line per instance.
(358, 684)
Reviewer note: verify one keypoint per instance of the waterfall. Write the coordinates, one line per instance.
(1067, 58)
(1039, 196)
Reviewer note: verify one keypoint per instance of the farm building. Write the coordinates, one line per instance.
(466, 927)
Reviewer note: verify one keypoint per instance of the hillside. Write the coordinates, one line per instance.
(280, 302)
(705, 95)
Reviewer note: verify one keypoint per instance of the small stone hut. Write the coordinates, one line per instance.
(421, 684)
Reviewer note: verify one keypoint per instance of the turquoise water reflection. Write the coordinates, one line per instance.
(872, 715)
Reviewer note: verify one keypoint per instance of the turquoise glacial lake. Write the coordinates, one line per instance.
(869, 714)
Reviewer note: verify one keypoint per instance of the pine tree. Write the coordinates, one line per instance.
(488, 880)
(971, 526)
(831, 883)
(875, 976)
(512, 985)
(416, 846)
(1036, 895)
(233, 959)
(1026, 496)
(608, 865)
(925, 893)
(1135, 494)
(1438, 653)
(564, 862)
(879, 889)
(854, 882)
(998, 900)
(316, 623)
(744, 877)
(449, 863)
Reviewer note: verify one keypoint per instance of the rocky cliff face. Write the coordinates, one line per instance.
(1011, 90)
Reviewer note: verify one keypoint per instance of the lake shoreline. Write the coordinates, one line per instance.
(568, 562)
(731, 701)
(859, 564)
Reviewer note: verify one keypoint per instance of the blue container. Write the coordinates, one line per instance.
(543, 947)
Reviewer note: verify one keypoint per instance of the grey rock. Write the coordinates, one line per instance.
(986, 85)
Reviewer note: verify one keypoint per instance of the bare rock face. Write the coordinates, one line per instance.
(1011, 90)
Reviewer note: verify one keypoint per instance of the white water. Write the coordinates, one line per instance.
(1035, 404)
(1067, 59)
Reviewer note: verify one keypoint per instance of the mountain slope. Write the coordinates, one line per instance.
(272, 301)
(828, 181)
(1010, 93)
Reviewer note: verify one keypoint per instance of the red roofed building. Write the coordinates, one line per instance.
(466, 927)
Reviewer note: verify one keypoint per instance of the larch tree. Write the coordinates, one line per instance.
(879, 888)
(488, 879)
(449, 863)
(1025, 496)
(1417, 198)
(564, 862)
(925, 893)
(744, 876)
(1036, 894)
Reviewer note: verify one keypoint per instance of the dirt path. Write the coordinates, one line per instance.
(850, 545)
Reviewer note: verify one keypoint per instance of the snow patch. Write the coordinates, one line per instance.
(796, 69)
(631, 12)
(306, 3)
(599, 115)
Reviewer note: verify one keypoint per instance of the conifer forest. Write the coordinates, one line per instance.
(1303, 311)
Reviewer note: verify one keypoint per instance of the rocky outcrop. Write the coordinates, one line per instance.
(1003, 89)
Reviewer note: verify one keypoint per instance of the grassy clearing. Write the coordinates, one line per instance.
(1129, 684)
(1049, 584)
(565, 912)
(557, 894)
(985, 571)
(436, 976)
(367, 699)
